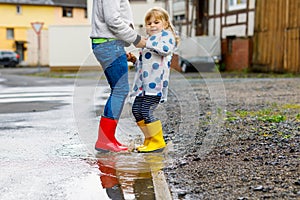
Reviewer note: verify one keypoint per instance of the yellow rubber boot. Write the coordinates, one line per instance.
(143, 128)
(156, 141)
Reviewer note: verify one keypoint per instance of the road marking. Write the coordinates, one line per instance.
(52, 93)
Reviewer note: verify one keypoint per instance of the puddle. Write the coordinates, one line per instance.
(44, 157)
(132, 176)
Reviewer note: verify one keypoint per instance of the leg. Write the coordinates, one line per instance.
(149, 104)
(113, 59)
(117, 77)
(136, 111)
(136, 108)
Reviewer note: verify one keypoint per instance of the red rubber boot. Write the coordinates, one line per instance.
(106, 136)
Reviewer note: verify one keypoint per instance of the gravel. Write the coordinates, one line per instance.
(256, 153)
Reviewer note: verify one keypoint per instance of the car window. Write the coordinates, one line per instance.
(7, 53)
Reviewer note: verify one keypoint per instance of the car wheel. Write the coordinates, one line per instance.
(12, 64)
(183, 67)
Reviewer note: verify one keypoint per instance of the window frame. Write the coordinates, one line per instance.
(179, 18)
(66, 11)
(19, 9)
(10, 33)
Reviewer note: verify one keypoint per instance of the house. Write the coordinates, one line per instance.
(259, 35)
(232, 21)
(20, 17)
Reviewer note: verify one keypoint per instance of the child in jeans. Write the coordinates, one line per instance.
(152, 77)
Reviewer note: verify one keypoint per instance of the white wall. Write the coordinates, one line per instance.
(140, 8)
(89, 9)
(70, 46)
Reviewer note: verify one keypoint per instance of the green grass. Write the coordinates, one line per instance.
(272, 118)
(274, 114)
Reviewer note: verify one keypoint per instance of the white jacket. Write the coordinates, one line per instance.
(113, 19)
(153, 66)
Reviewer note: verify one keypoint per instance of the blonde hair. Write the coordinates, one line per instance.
(161, 14)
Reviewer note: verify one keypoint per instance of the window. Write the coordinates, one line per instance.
(237, 4)
(10, 35)
(19, 9)
(67, 12)
(179, 18)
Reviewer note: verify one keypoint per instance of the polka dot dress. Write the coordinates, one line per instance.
(153, 66)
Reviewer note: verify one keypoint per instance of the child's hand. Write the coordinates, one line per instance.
(131, 57)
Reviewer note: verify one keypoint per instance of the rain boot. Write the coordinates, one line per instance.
(156, 140)
(143, 128)
(110, 182)
(106, 136)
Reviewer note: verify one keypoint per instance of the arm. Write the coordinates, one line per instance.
(114, 12)
(141, 43)
(162, 43)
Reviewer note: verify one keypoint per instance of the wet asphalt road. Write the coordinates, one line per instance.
(47, 137)
(37, 136)
(16, 79)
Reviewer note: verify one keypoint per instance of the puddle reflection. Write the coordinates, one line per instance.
(133, 175)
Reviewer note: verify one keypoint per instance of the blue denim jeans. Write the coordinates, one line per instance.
(112, 57)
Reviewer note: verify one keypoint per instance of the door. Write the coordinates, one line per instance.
(20, 49)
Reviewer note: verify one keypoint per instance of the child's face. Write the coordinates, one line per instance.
(154, 26)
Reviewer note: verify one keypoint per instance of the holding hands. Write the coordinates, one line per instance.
(142, 43)
(131, 57)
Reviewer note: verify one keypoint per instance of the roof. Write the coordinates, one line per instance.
(79, 3)
(67, 3)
